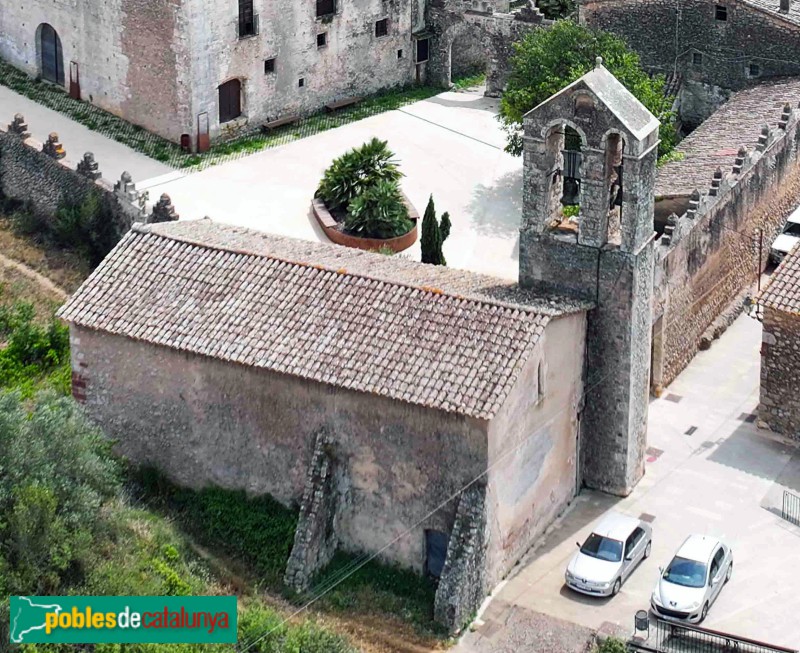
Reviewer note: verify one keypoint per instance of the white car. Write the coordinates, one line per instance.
(609, 555)
(787, 239)
(693, 580)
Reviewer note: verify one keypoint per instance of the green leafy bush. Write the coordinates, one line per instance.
(30, 350)
(355, 172)
(612, 645)
(258, 530)
(378, 212)
(547, 60)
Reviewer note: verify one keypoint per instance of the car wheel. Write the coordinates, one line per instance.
(704, 614)
(730, 572)
(648, 548)
(617, 586)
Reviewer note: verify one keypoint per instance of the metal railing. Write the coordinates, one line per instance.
(667, 637)
(790, 510)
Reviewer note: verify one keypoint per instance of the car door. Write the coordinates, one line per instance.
(634, 548)
(716, 573)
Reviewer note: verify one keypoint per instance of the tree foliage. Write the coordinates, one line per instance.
(434, 234)
(547, 60)
(378, 212)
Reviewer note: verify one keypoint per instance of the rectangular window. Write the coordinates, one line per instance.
(326, 8)
(301, 82)
(399, 54)
(423, 49)
(248, 21)
(540, 381)
(697, 59)
(382, 27)
(322, 40)
(721, 12)
(753, 70)
(269, 66)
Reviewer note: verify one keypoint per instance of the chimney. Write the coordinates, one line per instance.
(785, 5)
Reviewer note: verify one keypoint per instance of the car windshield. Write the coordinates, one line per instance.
(792, 228)
(603, 548)
(688, 573)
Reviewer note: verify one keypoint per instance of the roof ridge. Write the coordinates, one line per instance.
(142, 228)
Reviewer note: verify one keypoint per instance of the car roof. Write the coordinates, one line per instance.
(616, 526)
(794, 216)
(698, 547)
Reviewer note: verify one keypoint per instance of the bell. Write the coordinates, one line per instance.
(572, 191)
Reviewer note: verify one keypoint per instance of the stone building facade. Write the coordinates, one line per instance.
(369, 391)
(165, 64)
(714, 46)
(779, 405)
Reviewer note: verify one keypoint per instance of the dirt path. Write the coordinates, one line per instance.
(33, 275)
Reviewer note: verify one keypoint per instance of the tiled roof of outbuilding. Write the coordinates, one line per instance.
(441, 338)
(783, 291)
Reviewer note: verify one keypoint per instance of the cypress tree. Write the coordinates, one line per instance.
(431, 237)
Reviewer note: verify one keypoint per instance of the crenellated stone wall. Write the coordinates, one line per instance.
(710, 254)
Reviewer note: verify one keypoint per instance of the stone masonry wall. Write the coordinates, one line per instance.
(462, 585)
(206, 422)
(668, 36)
(316, 539)
(30, 175)
(780, 373)
(710, 254)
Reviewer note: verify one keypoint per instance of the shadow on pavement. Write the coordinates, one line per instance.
(497, 209)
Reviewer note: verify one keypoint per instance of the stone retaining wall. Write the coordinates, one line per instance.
(707, 256)
(780, 373)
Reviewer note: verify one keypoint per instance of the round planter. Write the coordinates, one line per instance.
(335, 234)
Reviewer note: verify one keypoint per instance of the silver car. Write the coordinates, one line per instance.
(609, 555)
(693, 580)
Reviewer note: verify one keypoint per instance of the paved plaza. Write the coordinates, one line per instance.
(719, 480)
(450, 145)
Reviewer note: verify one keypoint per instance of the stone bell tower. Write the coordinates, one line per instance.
(604, 255)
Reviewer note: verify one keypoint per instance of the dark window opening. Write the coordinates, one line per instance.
(269, 66)
(399, 54)
(754, 70)
(326, 8)
(230, 100)
(721, 12)
(423, 50)
(697, 59)
(52, 63)
(248, 21)
(382, 27)
(301, 82)
(435, 552)
(322, 40)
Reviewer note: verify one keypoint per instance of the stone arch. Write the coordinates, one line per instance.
(49, 54)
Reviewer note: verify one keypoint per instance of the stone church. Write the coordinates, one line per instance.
(451, 414)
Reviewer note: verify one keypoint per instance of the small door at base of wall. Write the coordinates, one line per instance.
(435, 552)
(74, 81)
(52, 63)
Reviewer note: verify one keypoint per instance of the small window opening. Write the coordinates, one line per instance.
(754, 70)
(382, 27)
(423, 50)
(301, 82)
(269, 66)
(248, 20)
(540, 381)
(697, 59)
(399, 54)
(322, 40)
(721, 12)
(326, 8)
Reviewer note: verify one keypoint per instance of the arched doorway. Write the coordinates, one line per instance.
(52, 58)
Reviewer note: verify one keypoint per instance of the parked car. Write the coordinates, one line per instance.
(789, 236)
(609, 555)
(692, 581)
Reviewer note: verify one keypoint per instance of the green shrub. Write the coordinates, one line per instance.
(87, 228)
(378, 212)
(571, 211)
(434, 234)
(612, 645)
(30, 350)
(355, 172)
(258, 530)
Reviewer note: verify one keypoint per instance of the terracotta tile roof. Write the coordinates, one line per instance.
(783, 291)
(440, 338)
(715, 143)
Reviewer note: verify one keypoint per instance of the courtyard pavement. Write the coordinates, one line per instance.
(450, 146)
(113, 157)
(719, 479)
